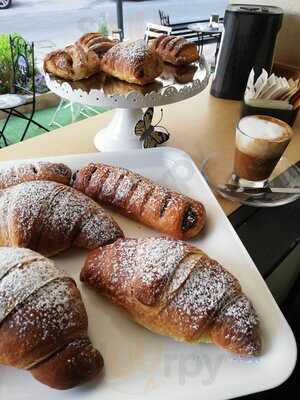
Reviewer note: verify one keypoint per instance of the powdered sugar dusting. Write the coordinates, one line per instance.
(22, 281)
(242, 315)
(54, 213)
(24, 203)
(174, 288)
(142, 198)
(131, 52)
(16, 174)
(207, 290)
(13, 256)
(48, 310)
(99, 230)
(181, 274)
(158, 258)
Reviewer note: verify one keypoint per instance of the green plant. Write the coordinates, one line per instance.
(5, 64)
(6, 70)
(103, 26)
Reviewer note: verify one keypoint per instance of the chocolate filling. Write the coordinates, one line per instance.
(165, 204)
(189, 219)
(62, 170)
(74, 177)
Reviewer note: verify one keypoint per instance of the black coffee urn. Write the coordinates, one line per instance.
(248, 41)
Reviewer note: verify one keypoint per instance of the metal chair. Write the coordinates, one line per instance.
(23, 86)
(154, 30)
(76, 111)
(164, 18)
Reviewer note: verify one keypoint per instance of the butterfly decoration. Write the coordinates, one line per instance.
(148, 133)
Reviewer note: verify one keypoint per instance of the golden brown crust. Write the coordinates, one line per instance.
(96, 42)
(175, 50)
(181, 74)
(174, 289)
(50, 217)
(113, 86)
(42, 317)
(76, 364)
(37, 171)
(132, 62)
(80, 60)
(137, 197)
(73, 63)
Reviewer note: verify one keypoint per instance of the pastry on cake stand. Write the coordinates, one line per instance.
(129, 99)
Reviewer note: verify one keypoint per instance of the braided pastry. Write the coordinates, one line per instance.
(96, 42)
(174, 289)
(50, 217)
(137, 197)
(43, 322)
(73, 63)
(175, 50)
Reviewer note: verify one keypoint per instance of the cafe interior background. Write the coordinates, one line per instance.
(271, 235)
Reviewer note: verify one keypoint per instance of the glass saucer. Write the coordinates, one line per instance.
(217, 170)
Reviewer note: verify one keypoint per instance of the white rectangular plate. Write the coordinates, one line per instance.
(140, 364)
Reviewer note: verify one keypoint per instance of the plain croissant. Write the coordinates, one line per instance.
(43, 321)
(174, 289)
(50, 217)
(35, 171)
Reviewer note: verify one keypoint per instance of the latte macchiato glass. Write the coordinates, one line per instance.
(260, 142)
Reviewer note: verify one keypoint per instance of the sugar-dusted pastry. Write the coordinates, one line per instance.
(35, 171)
(80, 60)
(139, 198)
(72, 63)
(174, 289)
(50, 217)
(175, 50)
(43, 321)
(132, 62)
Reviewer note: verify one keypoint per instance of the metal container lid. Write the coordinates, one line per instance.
(254, 9)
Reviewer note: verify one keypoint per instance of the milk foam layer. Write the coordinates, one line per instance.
(262, 137)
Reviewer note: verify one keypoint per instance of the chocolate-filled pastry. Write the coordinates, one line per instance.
(141, 199)
(43, 321)
(174, 289)
(95, 41)
(50, 217)
(35, 171)
(132, 62)
(175, 50)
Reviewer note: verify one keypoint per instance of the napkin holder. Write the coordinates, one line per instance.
(288, 116)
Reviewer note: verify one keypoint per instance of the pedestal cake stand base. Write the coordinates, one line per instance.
(119, 133)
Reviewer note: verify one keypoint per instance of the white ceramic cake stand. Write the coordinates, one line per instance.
(129, 99)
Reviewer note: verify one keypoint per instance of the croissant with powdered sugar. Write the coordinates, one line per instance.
(174, 289)
(43, 321)
(50, 217)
